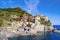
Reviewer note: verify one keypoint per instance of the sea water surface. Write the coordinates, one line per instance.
(49, 36)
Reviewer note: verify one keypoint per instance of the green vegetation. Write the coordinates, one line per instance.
(1, 21)
(5, 14)
(46, 23)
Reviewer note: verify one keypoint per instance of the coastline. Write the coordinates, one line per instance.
(42, 34)
(5, 34)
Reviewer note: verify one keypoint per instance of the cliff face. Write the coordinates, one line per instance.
(42, 23)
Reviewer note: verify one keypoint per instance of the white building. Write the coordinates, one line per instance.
(38, 26)
(37, 18)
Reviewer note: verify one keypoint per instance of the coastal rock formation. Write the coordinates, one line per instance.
(36, 24)
(15, 25)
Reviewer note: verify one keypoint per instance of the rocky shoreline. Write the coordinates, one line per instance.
(6, 33)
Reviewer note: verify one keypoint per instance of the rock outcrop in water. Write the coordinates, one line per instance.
(24, 25)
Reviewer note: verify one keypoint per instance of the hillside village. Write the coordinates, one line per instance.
(25, 25)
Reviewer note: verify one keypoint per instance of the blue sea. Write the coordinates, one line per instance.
(49, 36)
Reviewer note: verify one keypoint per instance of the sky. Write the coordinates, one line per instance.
(49, 8)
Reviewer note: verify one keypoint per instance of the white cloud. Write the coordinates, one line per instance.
(32, 5)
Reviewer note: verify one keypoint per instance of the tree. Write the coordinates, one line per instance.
(5, 14)
(1, 22)
(42, 20)
(47, 23)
